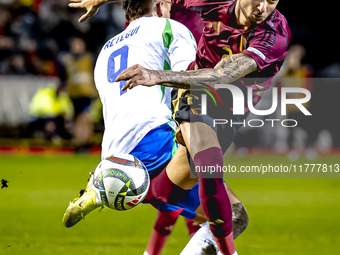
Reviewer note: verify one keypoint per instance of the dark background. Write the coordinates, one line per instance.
(314, 26)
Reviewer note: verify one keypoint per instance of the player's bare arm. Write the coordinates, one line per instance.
(91, 6)
(226, 71)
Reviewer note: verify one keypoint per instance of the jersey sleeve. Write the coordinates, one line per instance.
(265, 53)
(269, 45)
(181, 45)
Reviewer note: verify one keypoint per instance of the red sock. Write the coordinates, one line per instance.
(226, 244)
(214, 198)
(159, 235)
(156, 243)
(163, 189)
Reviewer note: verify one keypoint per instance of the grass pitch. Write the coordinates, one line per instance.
(287, 216)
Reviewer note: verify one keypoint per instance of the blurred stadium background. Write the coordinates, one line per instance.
(51, 131)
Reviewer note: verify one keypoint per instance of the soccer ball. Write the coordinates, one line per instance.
(121, 181)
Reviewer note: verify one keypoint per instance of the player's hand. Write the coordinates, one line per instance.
(91, 6)
(138, 75)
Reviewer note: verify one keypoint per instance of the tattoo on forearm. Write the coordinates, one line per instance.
(236, 66)
(227, 70)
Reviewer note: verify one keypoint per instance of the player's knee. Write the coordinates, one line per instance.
(209, 163)
(169, 193)
(240, 219)
(164, 230)
(164, 227)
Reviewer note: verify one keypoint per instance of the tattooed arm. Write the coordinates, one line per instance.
(226, 71)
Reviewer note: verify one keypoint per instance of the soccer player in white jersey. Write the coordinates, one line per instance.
(158, 43)
(139, 123)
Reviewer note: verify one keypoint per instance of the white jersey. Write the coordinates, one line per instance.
(154, 43)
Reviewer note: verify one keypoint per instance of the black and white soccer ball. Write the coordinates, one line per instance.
(121, 181)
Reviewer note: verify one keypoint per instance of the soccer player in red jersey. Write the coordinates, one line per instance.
(245, 41)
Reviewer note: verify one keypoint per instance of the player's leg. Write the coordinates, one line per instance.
(177, 184)
(178, 172)
(155, 151)
(188, 203)
(203, 241)
(159, 235)
(239, 213)
(200, 137)
(189, 199)
(80, 207)
(204, 148)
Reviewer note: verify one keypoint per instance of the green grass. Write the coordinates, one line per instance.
(287, 216)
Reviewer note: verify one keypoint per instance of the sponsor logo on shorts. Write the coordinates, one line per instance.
(120, 161)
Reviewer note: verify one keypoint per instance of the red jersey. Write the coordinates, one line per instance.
(266, 43)
(190, 18)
